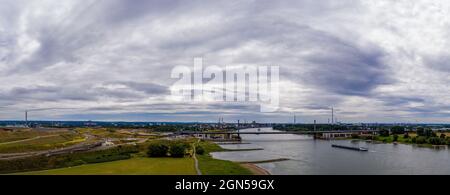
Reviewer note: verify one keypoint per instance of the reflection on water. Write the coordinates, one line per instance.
(309, 156)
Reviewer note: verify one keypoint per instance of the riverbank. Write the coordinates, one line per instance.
(414, 140)
(255, 169)
(265, 161)
(211, 166)
(249, 165)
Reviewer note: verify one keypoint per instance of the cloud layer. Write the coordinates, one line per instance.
(373, 60)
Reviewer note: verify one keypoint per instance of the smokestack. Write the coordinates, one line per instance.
(332, 115)
(314, 125)
(295, 119)
(26, 118)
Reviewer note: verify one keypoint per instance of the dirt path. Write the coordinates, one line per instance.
(69, 149)
(195, 160)
(29, 139)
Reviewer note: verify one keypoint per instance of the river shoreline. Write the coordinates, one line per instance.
(251, 166)
(255, 169)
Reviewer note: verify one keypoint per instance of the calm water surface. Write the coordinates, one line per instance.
(309, 156)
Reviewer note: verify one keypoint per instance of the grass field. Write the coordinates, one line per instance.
(7, 136)
(134, 166)
(211, 166)
(46, 142)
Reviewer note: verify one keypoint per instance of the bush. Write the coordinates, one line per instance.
(420, 140)
(406, 136)
(157, 150)
(355, 136)
(420, 131)
(436, 141)
(178, 150)
(111, 130)
(429, 133)
(395, 138)
(398, 130)
(384, 133)
(199, 150)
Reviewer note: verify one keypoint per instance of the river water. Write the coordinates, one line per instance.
(317, 157)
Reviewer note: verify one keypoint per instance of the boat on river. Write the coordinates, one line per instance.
(362, 149)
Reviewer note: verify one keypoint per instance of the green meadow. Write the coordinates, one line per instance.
(133, 166)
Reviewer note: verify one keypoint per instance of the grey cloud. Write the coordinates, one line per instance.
(44, 93)
(396, 101)
(83, 92)
(345, 68)
(438, 62)
(148, 88)
(122, 10)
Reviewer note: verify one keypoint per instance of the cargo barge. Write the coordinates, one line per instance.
(362, 149)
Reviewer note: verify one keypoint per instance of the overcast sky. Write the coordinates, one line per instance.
(373, 60)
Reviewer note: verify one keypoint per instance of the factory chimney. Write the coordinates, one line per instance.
(26, 118)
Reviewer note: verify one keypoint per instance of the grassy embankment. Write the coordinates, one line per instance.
(8, 136)
(412, 138)
(34, 141)
(133, 166)
(210, 166)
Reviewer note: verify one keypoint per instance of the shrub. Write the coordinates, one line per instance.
(421, 140)
(355, 136)
(395, 138)
(429, 133)
(111, 130)
(384, 133)
(178, 150)
(398, 130)
(157, 150)
(436, 141)
(199, 150)
(406, 136)
(420, 131)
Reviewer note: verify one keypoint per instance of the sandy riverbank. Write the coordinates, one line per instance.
(255, 169)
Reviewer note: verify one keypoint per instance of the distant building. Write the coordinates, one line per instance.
(90, 124)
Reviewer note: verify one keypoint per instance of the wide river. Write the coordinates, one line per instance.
(316, 157)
